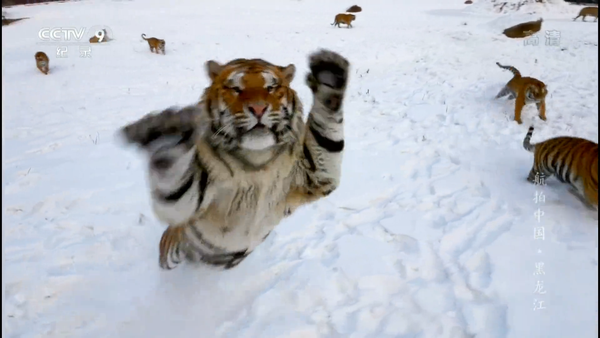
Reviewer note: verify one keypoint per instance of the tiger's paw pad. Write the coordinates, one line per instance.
(329, 69)
(169, 123)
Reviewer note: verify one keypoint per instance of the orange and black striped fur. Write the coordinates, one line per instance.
(526, 90)
(572, 160)
(224, 172)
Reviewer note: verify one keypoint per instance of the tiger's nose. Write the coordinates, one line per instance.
(257, 109)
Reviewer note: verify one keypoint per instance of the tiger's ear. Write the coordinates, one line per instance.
(288, 73)
(213, 68)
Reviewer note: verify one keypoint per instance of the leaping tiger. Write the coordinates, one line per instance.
(225, 172)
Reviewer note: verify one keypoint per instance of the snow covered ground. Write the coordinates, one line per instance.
(431, 233)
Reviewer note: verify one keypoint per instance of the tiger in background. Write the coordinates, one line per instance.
(156, 45)
(572, 160)
(223, 173)
(526, 90)
(343, 18)
(42, 62)
(587, 11)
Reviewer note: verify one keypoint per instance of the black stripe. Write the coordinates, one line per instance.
(317, 124)
(293, 104)
(326, 143)
(175, 196)
(555, 170)
(201, 239)
(309, 183)
(568, 174)
(202, 188)
(566, 169)
(309, 158)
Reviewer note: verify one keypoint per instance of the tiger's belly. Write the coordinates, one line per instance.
(242, 215)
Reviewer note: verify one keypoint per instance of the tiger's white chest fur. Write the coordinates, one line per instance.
(241, 206)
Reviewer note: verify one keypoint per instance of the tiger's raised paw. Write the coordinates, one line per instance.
(329, 69)
(328, 78)
(176, 124)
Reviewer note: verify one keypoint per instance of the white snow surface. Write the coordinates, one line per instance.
(548, 7)
(431, 233)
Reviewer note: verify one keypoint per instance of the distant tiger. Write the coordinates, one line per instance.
(526, 90)
(156, 45)
(572, 160)
(42, 62)
(345, 19)
(587, 11)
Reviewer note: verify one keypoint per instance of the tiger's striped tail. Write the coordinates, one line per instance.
(527, 141)
(512, 69)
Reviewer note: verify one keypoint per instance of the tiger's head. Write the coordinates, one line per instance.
(251, 105)
(536, 92)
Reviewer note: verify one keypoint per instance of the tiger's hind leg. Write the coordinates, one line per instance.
(176, 247)
(504, 92)
(575, 192)
(172, 248)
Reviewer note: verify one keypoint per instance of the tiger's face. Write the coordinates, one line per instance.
(536, 93)
(251, 103)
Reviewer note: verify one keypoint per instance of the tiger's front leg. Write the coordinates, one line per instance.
(173, 172)
(321, 160)
(177, 181)
(541, 106)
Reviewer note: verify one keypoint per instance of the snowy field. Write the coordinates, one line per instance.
(431, 233)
